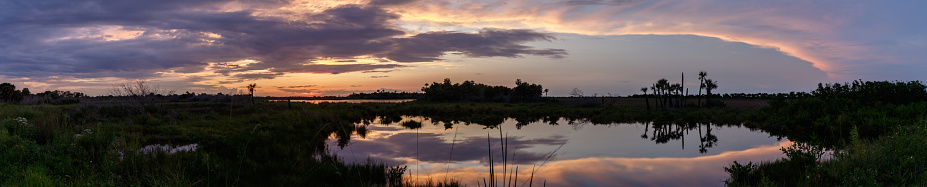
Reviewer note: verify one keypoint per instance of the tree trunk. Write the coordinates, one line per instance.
(646, 100)
(708, 98)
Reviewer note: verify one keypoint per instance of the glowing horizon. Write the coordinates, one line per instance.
(340, 47)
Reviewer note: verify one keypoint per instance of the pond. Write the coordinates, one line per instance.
(568, 154)
(314, 101)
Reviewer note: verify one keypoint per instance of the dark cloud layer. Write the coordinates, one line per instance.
(75, 38)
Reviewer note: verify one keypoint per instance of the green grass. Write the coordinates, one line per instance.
(877, 145)
(248, 145)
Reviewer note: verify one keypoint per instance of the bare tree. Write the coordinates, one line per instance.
(140, 92)
(576, 92)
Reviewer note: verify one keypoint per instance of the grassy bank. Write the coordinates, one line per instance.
(240, 144)
(877, 132)
(101, 145)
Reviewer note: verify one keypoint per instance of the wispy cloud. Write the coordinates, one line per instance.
(836, 37)
(135, 39)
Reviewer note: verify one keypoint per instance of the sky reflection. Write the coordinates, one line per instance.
(591, 155)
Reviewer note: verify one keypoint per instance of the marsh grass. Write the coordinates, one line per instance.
(246, 145)
(510, 175)
(896, 159)
(62, 146)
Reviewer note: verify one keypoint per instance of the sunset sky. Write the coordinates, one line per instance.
(603, 47)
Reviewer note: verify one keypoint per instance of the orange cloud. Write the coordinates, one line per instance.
(798, 30)
(606, 171)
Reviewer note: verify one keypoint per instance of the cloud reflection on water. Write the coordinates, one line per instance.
(431, 147)
(596, 155)
(606, 171)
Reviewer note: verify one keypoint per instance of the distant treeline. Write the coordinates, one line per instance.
(744, 95)
(9, 93)
(382, 94)
(875, 129)
(833, 110)
(478, 92)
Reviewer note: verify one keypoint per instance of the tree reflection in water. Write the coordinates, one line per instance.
(663, 133)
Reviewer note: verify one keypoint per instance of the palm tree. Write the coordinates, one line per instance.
(646, 100)
(701, 78)
(663, 86)
(709, 85)
(251, 90)
(653, 88)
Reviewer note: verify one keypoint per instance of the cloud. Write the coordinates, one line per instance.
(390, 2)
(378, 71)
(134, 39)
(337, 69)
(487, 43)
(838, 38)
(299, 91)
(598, 2)
(255, 76)
(300, 86)
(374, 77)
(404, 145)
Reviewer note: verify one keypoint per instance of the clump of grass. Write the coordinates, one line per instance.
(896, 159)
(510, 177)
(430, 183)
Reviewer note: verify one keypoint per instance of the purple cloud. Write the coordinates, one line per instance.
(135, 39)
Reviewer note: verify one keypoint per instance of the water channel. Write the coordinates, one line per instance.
(565, 154)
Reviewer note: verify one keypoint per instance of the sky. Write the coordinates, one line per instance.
(575, 153)
(312, 48)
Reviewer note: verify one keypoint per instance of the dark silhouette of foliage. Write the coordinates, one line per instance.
(251, 91)
(381, 94)
(832, 110)
(7, 91)
(472, 91)
(709, 86)
(874, 92)
(646, 100)
(701, 79)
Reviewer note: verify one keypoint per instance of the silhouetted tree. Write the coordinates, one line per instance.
(576, 92)
(709, 85)
(251, 91)
(471, 91)
(663, 87)
(656, 100)
(646, 100)
(6, 91)
(524, 92)
(26, 91)
(701, 78)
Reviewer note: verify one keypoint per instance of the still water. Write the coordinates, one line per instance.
(577, 154)
(314, 101)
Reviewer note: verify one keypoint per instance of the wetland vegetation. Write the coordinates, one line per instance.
(877, 132)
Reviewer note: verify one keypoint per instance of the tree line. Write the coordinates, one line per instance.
(671, 95)
(472, 91)
(383, 94)
(9, 94)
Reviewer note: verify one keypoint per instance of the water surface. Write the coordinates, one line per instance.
(314, 101)
(578, 154)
